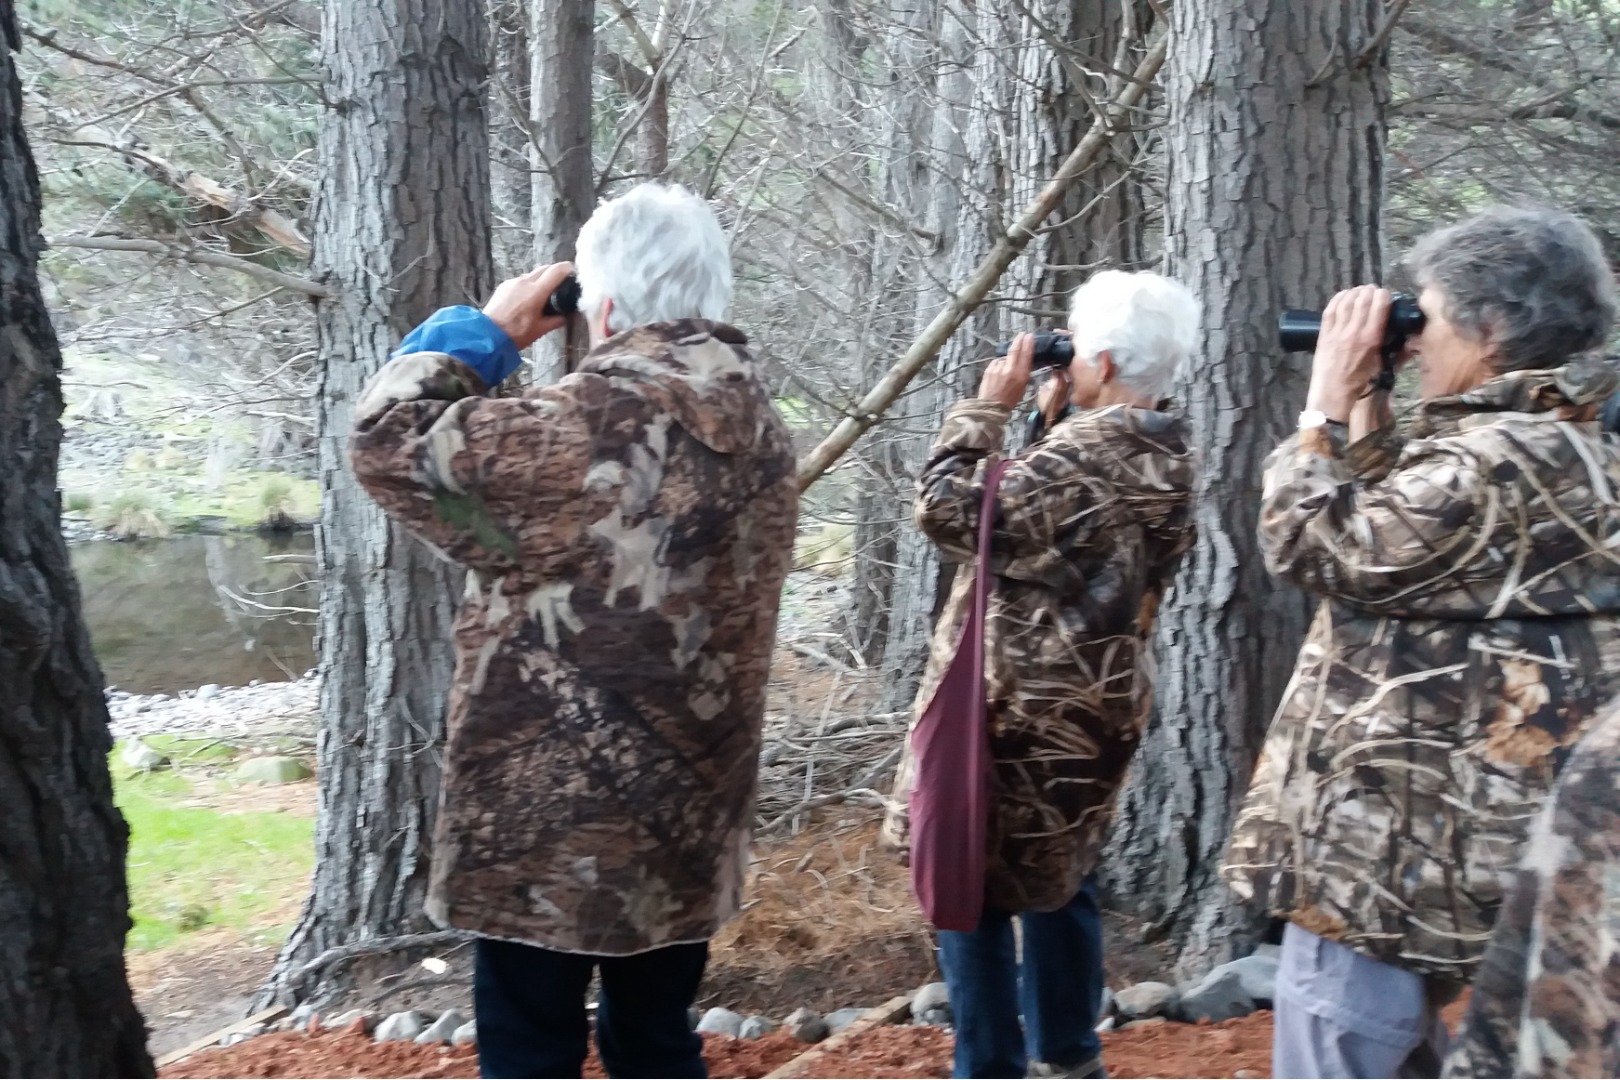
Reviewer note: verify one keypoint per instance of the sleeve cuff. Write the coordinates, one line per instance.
(471, 337)
(974, 424)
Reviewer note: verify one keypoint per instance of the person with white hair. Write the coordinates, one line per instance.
(1091, 520)
(626, 533)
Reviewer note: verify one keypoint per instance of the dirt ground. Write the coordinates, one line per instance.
(1236, 1048)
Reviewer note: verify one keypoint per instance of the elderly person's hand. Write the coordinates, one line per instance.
(1008, 376)
(1053, 396)
(1349, 350)
(518, 303)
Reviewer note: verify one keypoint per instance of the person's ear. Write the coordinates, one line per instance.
(604, 313)
(1106, 369)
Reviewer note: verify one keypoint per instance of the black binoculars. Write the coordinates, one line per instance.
(1051, 350)
(1298, 329)
(565, 300)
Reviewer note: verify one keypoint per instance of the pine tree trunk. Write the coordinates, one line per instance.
(1276, 156)
(65, 1004)
(402, 228)
(562, 47)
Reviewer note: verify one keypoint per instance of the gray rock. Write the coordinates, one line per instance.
(301, 1015)
(142, 758)
(693, 1015)
(1147, 1021)
(449, 1022)
(208, 692)
(1144, 1000)
(1224, 993)
(1273, 951)
(1106, 1025)
(757, 1027)
(806, 1026)
(931, 998)
(401, 1027)
(936, 1018)
(1105, 1004)
(718, 1021)
(466, 1034)
(1259, 974)
(272, 770)
(338, 1023)
(841, 1019)
(242, 1035)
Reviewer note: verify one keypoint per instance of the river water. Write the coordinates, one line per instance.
(171, 615)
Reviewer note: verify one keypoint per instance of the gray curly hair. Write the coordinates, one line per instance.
(1532, 282)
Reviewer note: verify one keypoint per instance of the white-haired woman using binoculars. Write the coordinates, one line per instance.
(1091, 520)
(626, 531)
(1469, 631)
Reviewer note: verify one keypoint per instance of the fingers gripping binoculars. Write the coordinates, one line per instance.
(1298, 329)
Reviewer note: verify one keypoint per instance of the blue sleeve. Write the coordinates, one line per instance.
(471, 337)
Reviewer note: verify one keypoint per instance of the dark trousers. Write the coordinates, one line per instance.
(1058, 987)
(530, 1007)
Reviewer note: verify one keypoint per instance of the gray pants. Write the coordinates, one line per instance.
(1342, 1014)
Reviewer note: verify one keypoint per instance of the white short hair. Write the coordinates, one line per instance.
(1146, 322)
(659, 253)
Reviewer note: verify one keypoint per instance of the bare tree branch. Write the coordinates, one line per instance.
(196, 255)
(1006, 249)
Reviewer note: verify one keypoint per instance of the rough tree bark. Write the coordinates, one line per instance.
(1276, 172)
(562, 43)
(401, 228)
(65, 1004)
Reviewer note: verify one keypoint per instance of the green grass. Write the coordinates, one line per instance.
(193, 868)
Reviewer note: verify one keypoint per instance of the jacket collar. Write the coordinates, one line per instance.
(1572, 392)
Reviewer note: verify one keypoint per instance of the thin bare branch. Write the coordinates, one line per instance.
(978, 286)
(195, 255)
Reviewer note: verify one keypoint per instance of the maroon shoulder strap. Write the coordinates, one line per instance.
(974, 621)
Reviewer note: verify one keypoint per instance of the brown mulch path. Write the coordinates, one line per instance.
(349, 1054)
(1238, 1048)
(1235, 1048)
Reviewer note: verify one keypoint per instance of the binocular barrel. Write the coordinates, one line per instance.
(1298, 329)
(1051, 350)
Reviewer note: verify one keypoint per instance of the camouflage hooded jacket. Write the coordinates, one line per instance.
(627, 530)
(1091, 522)
(1466, 638)
(1547, 998)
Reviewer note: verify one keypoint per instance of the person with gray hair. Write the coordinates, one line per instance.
(1091, 520)
(1468, 635)
(626, 533)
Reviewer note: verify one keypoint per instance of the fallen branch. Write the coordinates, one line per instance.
(276, 226)
(196, 255)
(984, 278)
(340, 953)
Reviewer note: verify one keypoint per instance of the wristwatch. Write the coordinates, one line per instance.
(1316, 418)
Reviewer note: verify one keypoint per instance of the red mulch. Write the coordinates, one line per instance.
(351, 1055)
(1233, 1048)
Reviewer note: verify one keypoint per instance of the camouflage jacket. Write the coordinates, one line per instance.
(628, 530)
(1547, 998)
(1091, 522)
(1466, 637)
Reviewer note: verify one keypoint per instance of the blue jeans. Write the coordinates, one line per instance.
(530, 1006)
(1058, 986)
